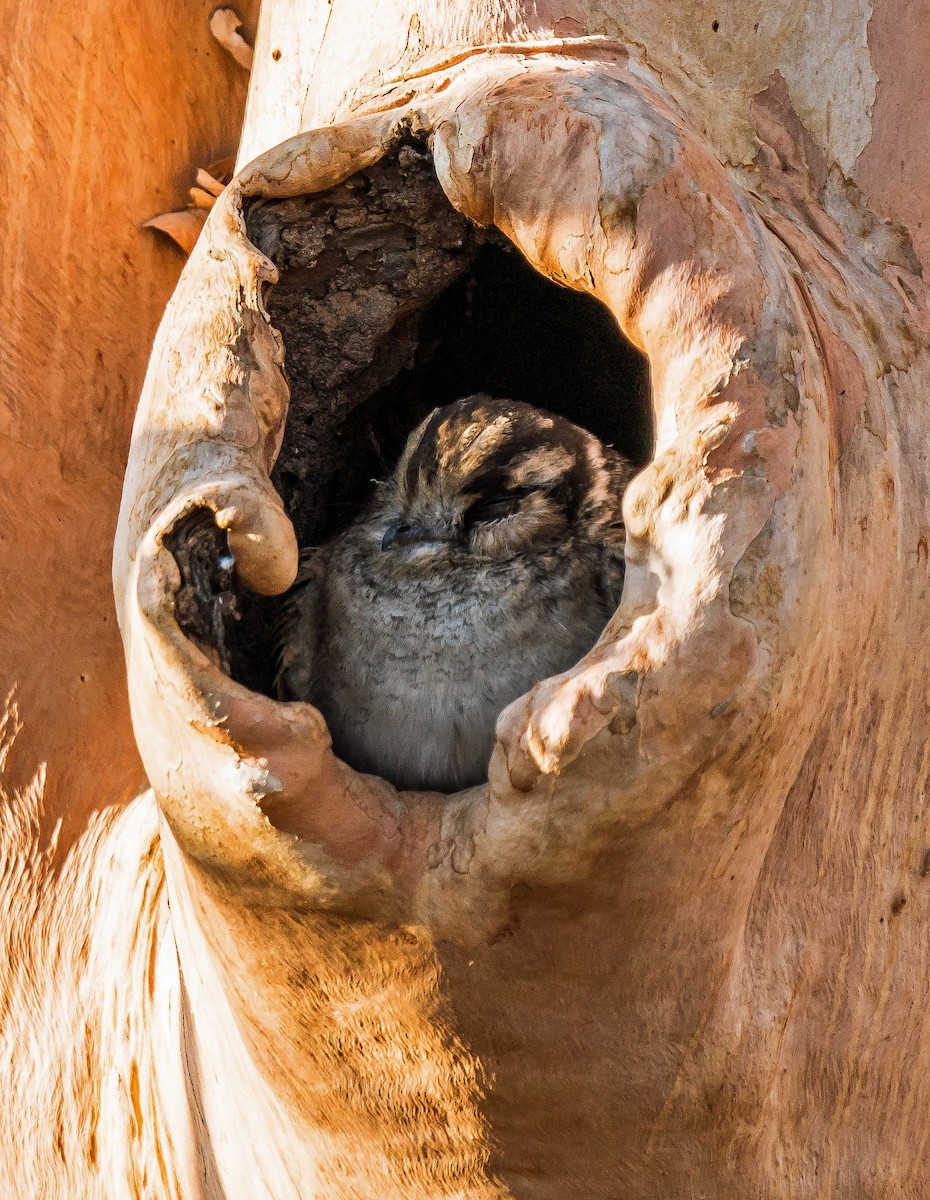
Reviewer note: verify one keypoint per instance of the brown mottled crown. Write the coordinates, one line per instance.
(481, 445)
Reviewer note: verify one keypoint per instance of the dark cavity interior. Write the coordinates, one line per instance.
(390, 303)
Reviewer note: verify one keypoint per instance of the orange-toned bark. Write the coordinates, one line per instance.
(106, 109)
(678, 939)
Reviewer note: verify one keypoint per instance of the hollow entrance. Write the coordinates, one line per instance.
(390, 303)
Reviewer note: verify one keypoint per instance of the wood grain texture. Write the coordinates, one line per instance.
(107, 110)
(676, 946)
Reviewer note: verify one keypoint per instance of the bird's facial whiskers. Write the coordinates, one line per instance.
(416, 530)
(493, 525)
(409, 537)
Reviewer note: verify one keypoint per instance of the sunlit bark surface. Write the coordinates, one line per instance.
(675, 946)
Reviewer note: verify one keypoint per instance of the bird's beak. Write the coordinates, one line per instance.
(402, 533)
(408, 533)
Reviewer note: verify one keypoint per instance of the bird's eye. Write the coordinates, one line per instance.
(493, 509)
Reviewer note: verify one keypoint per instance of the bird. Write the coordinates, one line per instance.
(491, 558)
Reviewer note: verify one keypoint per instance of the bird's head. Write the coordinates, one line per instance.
(488, 479)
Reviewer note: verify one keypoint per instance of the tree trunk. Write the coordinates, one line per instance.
(674, 945)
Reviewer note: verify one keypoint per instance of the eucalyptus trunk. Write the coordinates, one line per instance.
(676, 944)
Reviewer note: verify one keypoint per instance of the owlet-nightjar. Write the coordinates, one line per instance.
(491, 558)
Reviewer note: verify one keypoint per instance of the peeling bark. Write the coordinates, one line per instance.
(674, 945)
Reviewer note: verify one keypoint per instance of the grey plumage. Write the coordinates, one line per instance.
(491, 558)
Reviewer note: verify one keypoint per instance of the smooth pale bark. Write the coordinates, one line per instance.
(681, 930)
